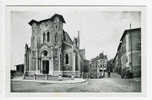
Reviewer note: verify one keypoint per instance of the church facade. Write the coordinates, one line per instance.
(52, 51)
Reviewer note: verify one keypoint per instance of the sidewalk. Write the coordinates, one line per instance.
(70, 81)
(115, 75)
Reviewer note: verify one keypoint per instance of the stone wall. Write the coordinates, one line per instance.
(129, 52)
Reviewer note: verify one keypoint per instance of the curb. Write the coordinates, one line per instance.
(53, 82)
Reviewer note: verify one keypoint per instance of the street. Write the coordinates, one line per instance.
(113, 84)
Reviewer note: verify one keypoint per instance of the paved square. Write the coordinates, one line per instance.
(113, 84)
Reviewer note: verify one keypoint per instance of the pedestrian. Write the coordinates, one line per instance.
(109, 73)
(102, 73)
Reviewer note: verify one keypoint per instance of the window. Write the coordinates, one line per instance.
(56, 37)
(48, 36)
(66, 59)
(43, 37)
(45, 53)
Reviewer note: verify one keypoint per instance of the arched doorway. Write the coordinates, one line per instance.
(45, 64)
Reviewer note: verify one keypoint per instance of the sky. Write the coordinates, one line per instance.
(100, 31)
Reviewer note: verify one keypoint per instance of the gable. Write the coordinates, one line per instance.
(44, 47)
(66, 38)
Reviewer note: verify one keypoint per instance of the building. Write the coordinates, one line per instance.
(20, 68)
(86, 69)
(128, 56)
(93, 69)
(97, 65)
(52, 51)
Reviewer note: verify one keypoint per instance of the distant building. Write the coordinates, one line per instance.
(17, 71)
(97, 65)
(52, 51)
(128, 56)
(12, 73)
(93, 69)
(20, 68)
(86, 69)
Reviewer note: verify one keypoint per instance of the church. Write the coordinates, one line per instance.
(52, 51)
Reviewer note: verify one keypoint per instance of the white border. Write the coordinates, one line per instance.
(147, 37)
(41, 8)
(76, 2)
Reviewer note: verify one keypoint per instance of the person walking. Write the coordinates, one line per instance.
(109, 73)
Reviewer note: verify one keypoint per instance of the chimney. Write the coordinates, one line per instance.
(130, 26)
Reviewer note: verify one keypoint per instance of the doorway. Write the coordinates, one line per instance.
(45, 67)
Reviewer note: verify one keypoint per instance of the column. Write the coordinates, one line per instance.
(73, 64)
(59, 52)
(36, 58)
(39, 65)
(25, 62)
(41, 68)
(51, 65)
(79, 61)
(30, 62)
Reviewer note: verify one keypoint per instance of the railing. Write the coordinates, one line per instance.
(45, 77)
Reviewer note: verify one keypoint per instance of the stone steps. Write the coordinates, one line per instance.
(45, 77)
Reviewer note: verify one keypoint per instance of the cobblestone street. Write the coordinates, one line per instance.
(113, 84)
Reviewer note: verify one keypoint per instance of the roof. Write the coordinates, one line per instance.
(115, 57)
(60, 17)
(20, 65)
(33, 21)
(129, 30)
(119, 46)
(51, 18)
(66, 35)
(99, 57)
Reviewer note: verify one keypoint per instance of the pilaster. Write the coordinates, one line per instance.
(36, 58)
(73, 67)
(25, 62)
(51, 64)
(59, 52)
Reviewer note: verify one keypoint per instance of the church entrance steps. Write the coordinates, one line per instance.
(64, 81)
(48, 77)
